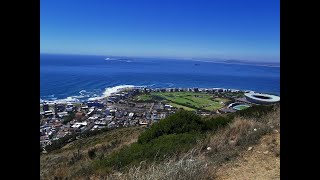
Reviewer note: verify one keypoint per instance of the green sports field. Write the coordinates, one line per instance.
(241, 107)
(191, 100)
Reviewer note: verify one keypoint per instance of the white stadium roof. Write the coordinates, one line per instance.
(262, 98)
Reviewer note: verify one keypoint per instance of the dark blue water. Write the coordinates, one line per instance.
(76, 76)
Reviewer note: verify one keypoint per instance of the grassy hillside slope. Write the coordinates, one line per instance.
(182, 146)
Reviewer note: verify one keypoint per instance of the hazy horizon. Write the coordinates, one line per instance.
(164, 58)
(239, 30)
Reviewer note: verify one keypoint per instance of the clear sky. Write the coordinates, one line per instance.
(227, 29)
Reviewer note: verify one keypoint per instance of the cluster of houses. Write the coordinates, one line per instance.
(207, 90)
(59, 120)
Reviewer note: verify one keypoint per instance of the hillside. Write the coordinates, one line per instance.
(261, 162)
(182, 146)
(68, 161)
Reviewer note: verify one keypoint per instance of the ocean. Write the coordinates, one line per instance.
(82, 77)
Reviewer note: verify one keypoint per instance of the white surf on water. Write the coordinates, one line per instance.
(108, 91)
(83, 94)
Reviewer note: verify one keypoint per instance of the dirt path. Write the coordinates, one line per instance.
(262, 162)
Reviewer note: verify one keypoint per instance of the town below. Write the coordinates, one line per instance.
(138, 106)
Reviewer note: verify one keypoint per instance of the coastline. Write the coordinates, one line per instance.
(113, 90)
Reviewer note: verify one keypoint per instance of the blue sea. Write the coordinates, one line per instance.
(80, 77)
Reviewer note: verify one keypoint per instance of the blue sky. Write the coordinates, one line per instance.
(227, 29)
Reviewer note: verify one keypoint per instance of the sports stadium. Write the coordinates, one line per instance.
(259, 98)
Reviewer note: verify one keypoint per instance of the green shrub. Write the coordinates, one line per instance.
(183, 122)
(256, 111)
(180, 122)
(92, 153)
(171, 136)
(155, 150)
(217, 122)
(68, 118)
(76, 157)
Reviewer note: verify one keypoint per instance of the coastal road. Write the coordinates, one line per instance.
(151, 107)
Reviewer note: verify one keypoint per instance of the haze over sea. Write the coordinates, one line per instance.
(80, 77)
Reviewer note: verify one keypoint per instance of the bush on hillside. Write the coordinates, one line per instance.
(256, 111)
(68, 118)
(92, 153)
(155, 150)
(171, 136)
(180, 122)
(217, 122)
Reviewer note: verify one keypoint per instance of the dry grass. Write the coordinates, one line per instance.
(229, 142)
(60, 164)
(191, 166)
(226, 145)
(262, 162)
